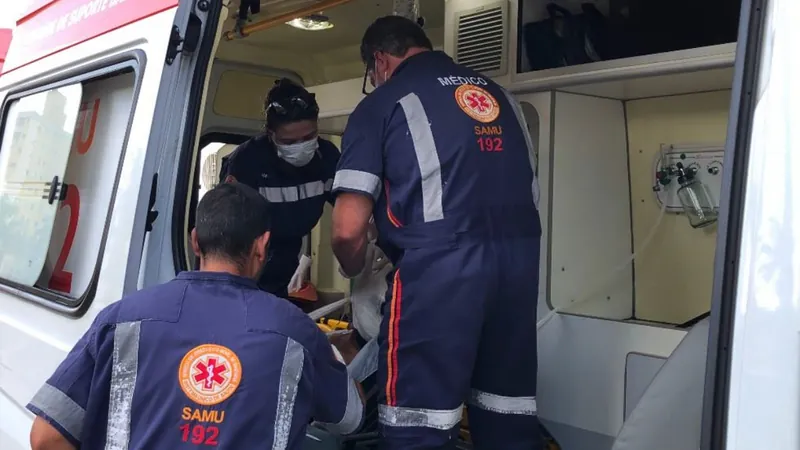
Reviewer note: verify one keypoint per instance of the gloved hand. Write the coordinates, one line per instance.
(297, 279)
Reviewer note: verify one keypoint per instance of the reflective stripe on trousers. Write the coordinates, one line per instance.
(396, 416)
(525, 406)
(439, 419)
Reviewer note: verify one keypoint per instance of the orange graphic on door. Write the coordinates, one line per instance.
(477, 103)
(209, 374)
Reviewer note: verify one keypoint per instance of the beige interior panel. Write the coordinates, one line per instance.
(674, 275)
(325, 267)
(241, 94)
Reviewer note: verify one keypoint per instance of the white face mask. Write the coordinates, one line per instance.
(298, 154)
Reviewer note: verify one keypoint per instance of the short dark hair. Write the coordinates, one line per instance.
(394, 35)
(289, 102)
(230, 218)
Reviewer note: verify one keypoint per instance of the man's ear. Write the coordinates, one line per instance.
(195, 245)
(261, 246)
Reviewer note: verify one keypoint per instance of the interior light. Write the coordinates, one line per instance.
(314, 22)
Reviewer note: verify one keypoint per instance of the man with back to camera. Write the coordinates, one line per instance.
(442, 156)
(293, 168)
(205, 360)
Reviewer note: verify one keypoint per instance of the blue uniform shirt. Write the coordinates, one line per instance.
(443, 151)
(206, 360)
(297, 194)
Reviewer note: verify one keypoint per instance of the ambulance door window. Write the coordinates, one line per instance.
(59, 165)
(35, 147)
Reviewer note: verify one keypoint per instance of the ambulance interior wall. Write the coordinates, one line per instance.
(674, 275)
(589, 220)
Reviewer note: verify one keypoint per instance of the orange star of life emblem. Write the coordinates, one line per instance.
(209, 374)
(477, 103)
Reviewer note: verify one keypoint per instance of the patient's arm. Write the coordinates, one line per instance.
(346, 344)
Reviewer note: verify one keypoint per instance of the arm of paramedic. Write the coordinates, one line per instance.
(350, 224)
(45, 437)
(60, 404)
(235, 166)
(356, 187)
(339, 401)
(331, 162)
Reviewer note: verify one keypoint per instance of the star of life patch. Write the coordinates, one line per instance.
(477, 103)
(209, 374)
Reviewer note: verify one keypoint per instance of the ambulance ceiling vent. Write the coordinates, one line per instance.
(481, 38)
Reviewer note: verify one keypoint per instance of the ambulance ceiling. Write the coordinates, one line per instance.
(349, 20)
(337, 46)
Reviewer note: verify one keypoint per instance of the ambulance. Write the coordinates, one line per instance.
(5, 42)
(666, 152)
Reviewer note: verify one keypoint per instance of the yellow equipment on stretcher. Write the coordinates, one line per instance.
(330, 325)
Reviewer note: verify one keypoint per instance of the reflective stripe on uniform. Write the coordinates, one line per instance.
(517, 108)
(123, 381)
(291, 371)
(288, 194)
(61, 409)
(440, 419)
(503, 405)
(357, 180)
(427, 157)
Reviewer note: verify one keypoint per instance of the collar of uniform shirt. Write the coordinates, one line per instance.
(419, 57)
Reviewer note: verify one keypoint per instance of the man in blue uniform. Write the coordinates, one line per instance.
(206, 360)
(442, 157)
(293, 169)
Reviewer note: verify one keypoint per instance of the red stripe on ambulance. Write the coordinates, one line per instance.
(61, 24)
(5, 42)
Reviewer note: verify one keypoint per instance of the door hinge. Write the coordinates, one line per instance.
(187, 43)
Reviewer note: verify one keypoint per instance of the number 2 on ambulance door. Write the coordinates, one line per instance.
(60, 279)
(490, 144)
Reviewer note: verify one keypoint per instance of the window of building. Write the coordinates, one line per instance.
(59, 160)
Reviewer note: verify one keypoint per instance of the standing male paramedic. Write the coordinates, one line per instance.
(206, 360)
(442, 157)
(293, 168)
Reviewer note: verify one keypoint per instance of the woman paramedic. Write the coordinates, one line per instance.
(293, 168)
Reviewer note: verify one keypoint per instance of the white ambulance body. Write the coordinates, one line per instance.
(115, 114)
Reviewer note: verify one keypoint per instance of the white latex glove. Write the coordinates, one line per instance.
(297, 279)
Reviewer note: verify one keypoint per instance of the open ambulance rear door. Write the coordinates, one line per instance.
(93, 97)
